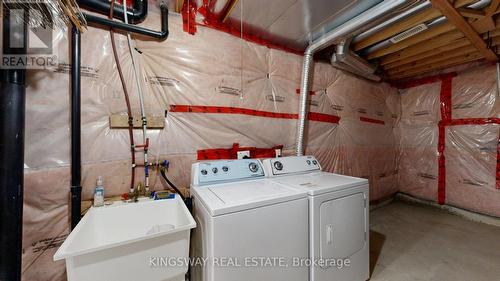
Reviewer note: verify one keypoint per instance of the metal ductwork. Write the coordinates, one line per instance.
(346, 60)
(357, 24)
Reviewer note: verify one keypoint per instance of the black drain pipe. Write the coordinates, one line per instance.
(120, 26)
(76, 154)
(12, 115)
(135, 15)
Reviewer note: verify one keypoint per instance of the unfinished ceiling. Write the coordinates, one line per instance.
(441, 35)
(427, 36)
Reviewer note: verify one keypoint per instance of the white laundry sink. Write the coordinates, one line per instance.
(130, 241)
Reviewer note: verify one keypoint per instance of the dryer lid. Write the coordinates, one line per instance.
(234, 197)
(320, 182)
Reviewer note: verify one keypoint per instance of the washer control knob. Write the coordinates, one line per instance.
(278, 165)
(253, 167)
(315, 162)
(225, 168)
(204, 172)
(308, 162)
(215, 170)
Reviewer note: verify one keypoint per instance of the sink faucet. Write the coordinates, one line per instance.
(138, 192)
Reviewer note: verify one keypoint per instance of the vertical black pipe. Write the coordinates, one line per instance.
(12, 115)
(76, 160)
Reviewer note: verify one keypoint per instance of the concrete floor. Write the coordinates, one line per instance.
(420, 243)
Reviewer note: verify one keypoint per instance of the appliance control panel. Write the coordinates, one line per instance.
(291, 165)
(210, 172)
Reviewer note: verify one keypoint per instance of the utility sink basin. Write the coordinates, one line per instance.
(130, 241)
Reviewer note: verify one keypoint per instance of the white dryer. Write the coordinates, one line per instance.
(338, 215)
(249, 228)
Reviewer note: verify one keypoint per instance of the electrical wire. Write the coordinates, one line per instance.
(127, 99)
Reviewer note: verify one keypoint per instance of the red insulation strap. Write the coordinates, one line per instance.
(441, 164)
(232, 153)
(189, 17)
(445, 98)
(498, 164)
(227, 28)
(312, 93)
(370, 120)
(314, 116)
(321, 117)
(473, 121)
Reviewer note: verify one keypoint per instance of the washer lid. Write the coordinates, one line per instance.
(320, 182)
(239, 196)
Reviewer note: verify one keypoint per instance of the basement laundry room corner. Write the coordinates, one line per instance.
(222, 140)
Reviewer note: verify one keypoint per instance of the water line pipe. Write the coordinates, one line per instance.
(141, 101)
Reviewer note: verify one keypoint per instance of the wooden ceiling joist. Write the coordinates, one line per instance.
(460, 43)
(423, 47)
(442, 65)
(421, 37)
(461, 24)
(471, 13)
(493, 35)
(442, 57)
(406, 24)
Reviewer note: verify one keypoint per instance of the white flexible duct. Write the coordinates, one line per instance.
(328, 39)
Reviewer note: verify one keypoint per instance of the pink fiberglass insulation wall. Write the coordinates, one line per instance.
(209, 69)
(470, 141)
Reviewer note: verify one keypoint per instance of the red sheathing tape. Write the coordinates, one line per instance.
(312, 93)
(472, 121)
(498, 164)
(446, 117)
(321, 117)
(441, 164)
(422, 81)
(313, 116)
(232, 153)
(248, 37)
(445, 99)
(189, 17)
(370, 120)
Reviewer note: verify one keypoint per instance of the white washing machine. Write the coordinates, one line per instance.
(338, 215)
(249, 228)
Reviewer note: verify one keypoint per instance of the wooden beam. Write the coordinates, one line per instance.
(432, 60)
(487, 23)
(440, 65)
(455, 18)
(420, 37)
(471, 13)
(403, 25)
(460, 43)
(422, 47)
(453, 45)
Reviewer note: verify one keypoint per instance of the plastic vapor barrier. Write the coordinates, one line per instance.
(213, 90)
(452, 159)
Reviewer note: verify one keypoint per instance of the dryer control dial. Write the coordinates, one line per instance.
(278, 165)
(253, 167)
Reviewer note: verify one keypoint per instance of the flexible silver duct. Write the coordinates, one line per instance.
(346, 60)
(355, 24)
